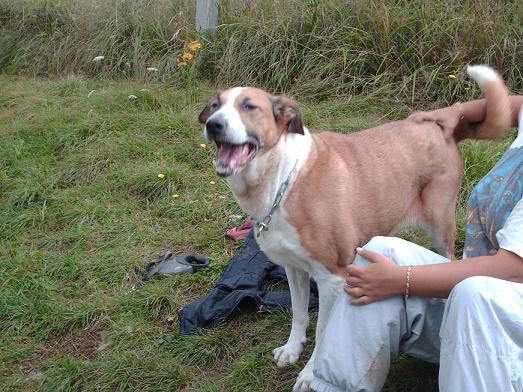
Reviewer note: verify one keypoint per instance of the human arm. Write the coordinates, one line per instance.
(384, 278)
(474, 111)
(455, 118)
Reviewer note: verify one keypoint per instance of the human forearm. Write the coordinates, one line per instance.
(474, 111)
(383, 278)
(459, 118)
(437, 280)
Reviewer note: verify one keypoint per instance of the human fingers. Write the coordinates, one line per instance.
(369, 255)
(372, 256)
(363, 300)
(353, 281)
(355, 292)
(353, 270)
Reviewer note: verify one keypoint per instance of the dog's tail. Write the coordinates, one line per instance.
(498, 112)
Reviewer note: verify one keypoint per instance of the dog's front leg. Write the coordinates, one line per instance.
(328, 290)
(300, 289)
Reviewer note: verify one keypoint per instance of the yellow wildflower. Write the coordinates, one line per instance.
(203, 145)
(181, 64)
(194, 46)
(212, 182)
(161, 176)
(452, 76)
(186, 56)
(175, 196)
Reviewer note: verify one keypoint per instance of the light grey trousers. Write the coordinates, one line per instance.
(476, 335)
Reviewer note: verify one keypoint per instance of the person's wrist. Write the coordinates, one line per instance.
(402, 280)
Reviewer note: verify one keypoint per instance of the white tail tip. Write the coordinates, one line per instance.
(482, 73)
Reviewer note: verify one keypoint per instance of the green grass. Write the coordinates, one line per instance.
(311, 48)
(82, 211)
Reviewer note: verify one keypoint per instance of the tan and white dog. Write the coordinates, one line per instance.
(316, 197)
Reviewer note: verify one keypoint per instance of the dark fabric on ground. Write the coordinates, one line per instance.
(240, 288)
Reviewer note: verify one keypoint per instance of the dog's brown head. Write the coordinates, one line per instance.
(245, 122)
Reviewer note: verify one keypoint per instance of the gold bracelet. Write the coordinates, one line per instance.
(407, 283)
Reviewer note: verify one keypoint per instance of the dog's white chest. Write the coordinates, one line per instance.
(281, 243)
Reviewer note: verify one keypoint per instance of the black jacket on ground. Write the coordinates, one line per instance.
(240, 287)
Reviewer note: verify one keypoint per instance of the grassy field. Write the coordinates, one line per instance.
(82, 211)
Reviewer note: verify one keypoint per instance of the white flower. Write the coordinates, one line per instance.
(132, 96)
(97, 59)
(151, 69)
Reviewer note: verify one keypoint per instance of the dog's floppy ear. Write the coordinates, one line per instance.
(206, 112)
(287, 114)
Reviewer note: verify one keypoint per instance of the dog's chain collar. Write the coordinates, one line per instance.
(264, 224)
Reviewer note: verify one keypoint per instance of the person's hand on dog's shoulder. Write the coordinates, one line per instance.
(448, 119)
(381, 279)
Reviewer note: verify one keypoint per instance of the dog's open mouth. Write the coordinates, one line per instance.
(231, 158)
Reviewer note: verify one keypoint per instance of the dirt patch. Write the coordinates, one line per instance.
(81, 344)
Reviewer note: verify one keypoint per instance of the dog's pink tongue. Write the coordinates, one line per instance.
(230, 158)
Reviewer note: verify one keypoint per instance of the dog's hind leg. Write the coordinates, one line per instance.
(300, 289)
(329, 287)
(439, 198)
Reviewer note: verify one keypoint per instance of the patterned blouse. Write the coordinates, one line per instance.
(492, 206)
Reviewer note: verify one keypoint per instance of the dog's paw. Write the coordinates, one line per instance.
(287, 354)
(304, 380)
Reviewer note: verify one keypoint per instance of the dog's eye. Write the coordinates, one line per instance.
(248, 106)
(214, 105)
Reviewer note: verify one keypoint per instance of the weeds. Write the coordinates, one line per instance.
(308, 48)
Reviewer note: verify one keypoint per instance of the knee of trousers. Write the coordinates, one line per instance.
(473, 290)
(382, 245)
(475, 311)
(470, 295)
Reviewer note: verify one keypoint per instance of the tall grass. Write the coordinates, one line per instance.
(318, 49)
(57, 37)
(405, 47)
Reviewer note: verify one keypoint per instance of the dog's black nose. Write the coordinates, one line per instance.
(215, 126)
